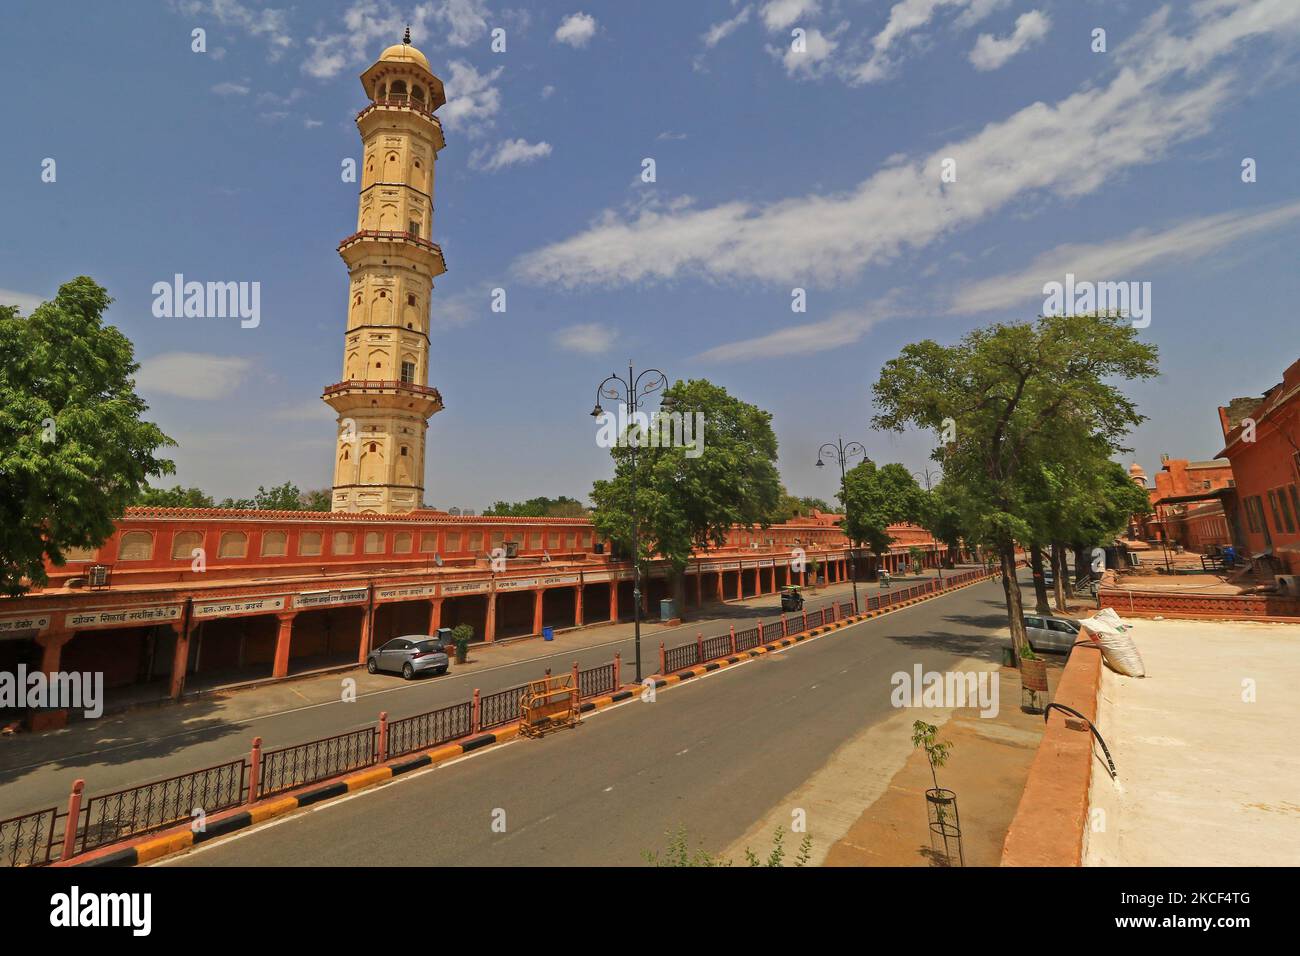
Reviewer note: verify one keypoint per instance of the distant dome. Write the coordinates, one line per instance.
(1135, 469)
(405, 53)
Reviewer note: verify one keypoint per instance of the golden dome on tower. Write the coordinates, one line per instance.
(405, 53)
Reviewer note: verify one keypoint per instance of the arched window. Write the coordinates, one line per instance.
(374, 543)
(234, 544)
(274, 544)
(309, 543)
(342, 542)
(135, 546)
(402, 542)
(418, 92)
(183, 545)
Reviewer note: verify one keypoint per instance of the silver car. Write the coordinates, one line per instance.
(1051, 633)
(410, 655)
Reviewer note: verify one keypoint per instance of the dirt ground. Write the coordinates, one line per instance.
(987, 770)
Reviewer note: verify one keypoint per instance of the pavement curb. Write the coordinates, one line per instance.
(154, 847)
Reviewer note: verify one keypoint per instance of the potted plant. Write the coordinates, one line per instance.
(941, 804)
(1033, 679)
(460, 636)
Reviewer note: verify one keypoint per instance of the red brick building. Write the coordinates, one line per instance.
(1262, 440)
(207, 596)
(1192, 503)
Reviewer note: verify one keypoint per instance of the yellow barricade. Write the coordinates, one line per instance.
(548, 704)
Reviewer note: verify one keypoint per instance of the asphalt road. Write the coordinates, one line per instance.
(133, 749)
(712, 755)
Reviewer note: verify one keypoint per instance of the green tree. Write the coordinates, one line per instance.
(941, 515)
(74, 449)
(876, 497)
(318, 499)
(285, 497)
(790, 506)
(1008, 397)
(541, 507)
(687, 502)
(174, 497)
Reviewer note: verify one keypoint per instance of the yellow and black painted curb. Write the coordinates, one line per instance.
(155, 847)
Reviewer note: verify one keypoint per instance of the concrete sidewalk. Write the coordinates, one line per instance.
(1204, 749)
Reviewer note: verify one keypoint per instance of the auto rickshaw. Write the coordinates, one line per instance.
(791, 599)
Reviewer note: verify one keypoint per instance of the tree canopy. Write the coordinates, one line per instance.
(74, 448)
(876, 497)
(692, 501)
(1015, 405)
(540, 507)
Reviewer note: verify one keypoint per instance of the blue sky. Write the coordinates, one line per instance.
(775, 170)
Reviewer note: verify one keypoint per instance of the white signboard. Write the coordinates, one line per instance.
(516, 583)
(244, 605)
(465, 587)
(329, 598)
(20, 625)
(560, 579)
(407, 592)
(123, 617)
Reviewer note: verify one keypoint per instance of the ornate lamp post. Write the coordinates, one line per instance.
(928, 476)
(843, 453)
(630, 390)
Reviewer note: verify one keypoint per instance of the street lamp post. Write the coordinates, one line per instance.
(842, 454)
(927, 476)
(630, 391)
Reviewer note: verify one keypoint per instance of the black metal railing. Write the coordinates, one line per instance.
(715, 647)
(152, 806)
(750, 638)
(32, 839)
(771, 632)
(502, 707)
(308, 763)
(677, 658)
(429, 730)
(596, 681)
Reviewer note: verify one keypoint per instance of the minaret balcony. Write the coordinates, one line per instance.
(407, 104)
(438, 265)
(392, 394)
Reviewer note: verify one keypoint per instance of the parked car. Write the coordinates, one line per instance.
(410, 655)
(1051, 633)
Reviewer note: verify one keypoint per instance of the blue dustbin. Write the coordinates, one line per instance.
(667, 609)
(548, 633)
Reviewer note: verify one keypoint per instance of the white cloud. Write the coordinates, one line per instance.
(1132, 120)
(24, 300)
(508, 152)
(991, 52)
(576, 29)
(842, 328)
(1118, 259)
(472, 100)
(817, 49)
(192, 374)
(779, 14)
(370, 26)
(231, 89)
(720, 31)
(588, 338)
(909, 16)
(270, 24)
(466, 20)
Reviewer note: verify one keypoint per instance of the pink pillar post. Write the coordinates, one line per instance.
(618, 670)
(733, 639)
(383, 736)
(180, 660)
(255, 769)
(537, 610)
(577, 606)
(283, 642)
(476, 720)
(490, 625)
(74, 814)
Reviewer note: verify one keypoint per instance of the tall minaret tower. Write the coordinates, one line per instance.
(384, 400)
